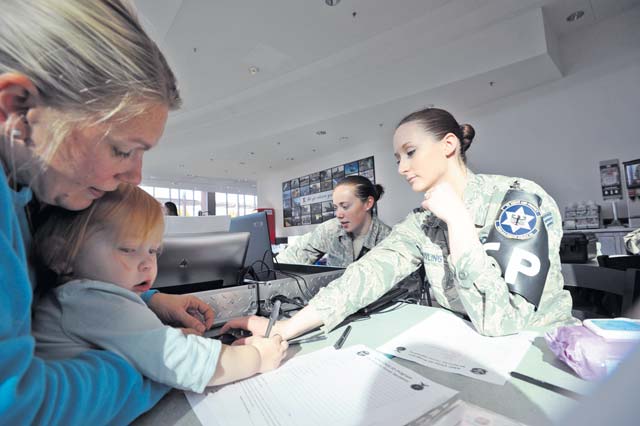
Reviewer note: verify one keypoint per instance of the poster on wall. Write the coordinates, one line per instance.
(307, 200)
(610, 180)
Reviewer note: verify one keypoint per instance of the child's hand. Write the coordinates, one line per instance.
(272, 351)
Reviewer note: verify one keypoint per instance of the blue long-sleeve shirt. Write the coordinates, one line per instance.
(97, 387)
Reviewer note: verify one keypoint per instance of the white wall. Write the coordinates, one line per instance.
(555, 134)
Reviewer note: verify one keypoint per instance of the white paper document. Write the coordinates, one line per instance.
(352, 386)
(445, 342)
(462, 413)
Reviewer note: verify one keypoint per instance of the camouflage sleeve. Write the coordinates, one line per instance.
(374, 274)
(484, 293)
(632, 241)
(311, 246)
(383, 232)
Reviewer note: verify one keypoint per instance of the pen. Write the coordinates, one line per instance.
(275, 313)
(342, 338)
(548, 386)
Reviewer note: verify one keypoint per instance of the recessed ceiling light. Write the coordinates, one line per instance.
(575, 16)
(344, 138)
(252, 153)
(331, 2)
(242, 163)
(253, 70)
(492, 83)
(380, 124)
(321, 133)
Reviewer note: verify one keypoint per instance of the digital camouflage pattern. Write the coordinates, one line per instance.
(473, 286)
(632, 241)
(329, 237)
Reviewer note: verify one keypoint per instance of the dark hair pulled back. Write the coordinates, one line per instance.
(363, 188)
(439, 122)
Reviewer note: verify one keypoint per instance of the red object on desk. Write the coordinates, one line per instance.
(271, 222)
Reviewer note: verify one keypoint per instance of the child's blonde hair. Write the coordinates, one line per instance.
(127, 212)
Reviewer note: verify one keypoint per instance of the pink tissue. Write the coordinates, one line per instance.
(589, 355)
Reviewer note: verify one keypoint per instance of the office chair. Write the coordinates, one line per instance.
(623, 284)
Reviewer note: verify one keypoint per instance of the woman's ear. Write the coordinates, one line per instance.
(450, 144)
(369, 204)
(17, 95)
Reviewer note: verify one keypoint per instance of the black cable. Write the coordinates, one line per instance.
(284, 299)
(295, 277)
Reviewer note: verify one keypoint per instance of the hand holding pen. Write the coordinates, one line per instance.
(275, 313)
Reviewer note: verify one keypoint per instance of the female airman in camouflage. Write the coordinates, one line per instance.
(489, 244)
(350, 235)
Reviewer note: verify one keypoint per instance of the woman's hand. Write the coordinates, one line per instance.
(182, 310)
(272, 351)
(445, 203)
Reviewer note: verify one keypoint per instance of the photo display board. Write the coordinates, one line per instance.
(307, 199)
(610, 180)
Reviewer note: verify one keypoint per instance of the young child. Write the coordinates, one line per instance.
(105, 257)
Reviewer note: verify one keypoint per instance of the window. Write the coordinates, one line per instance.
(235, 204)
(189, 201)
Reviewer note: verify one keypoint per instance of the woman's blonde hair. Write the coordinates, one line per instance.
(91, 61)
(128, 212)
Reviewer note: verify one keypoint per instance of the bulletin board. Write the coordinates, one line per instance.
(306, 200)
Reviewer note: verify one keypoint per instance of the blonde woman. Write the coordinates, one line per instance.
(84, 93)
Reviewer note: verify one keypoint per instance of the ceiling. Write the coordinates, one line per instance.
(351, 70)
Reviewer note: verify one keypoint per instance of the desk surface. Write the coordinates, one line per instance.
(516, 399)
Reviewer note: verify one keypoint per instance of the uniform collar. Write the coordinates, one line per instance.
(472, 192)
(369, 238)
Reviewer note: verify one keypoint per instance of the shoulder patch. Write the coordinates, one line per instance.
(518, 219)
(548, 219)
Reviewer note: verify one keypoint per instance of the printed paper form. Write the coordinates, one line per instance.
(445, 342)
(352, 386)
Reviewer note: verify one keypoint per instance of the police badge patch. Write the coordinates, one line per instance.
(518, 219)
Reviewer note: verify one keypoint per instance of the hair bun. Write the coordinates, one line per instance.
(379, 191)
(468, 133)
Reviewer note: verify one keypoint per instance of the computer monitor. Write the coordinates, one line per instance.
(259, 254)
(195, 224)
(199, 262)
(632, 173)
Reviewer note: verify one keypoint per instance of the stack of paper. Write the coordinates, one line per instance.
(352, 386)
(445, 342)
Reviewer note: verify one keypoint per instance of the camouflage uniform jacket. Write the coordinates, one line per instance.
(331, 239)
(473, 285)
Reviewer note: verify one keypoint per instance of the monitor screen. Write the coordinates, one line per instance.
(198, 262)
(632, 172)
(259, 254)
(195, 224)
